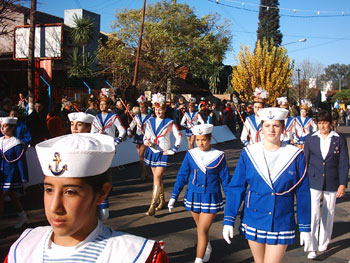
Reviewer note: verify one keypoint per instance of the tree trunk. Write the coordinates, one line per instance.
(31, 63)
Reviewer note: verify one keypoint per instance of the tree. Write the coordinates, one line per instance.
(268, 67)
(338, 74)
(6, 14)
(269, 22)
(310, 80)
(83, 32)
(173, 37)
(79, 66)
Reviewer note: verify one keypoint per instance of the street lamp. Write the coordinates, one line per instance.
(297, 41)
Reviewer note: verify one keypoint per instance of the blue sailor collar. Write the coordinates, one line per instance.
(109, 115)
(252, 120)
(146, 117)
(162, 126)
(191, 115)
(307, 119)
(286, 157)
(289, 121)
(211, 157)
(12, 142)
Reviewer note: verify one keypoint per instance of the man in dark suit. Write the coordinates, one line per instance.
(326, 154)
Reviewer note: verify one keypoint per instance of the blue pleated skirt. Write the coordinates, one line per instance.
(266, 237)
(203, 202)
(155, 159)
(138, 139)
(10, 182)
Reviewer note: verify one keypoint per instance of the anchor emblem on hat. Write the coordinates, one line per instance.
(57, 160)
(271, 116)
(200, 132)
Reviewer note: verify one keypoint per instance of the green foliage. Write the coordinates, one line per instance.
(83, 32)
(79, 66)
(173, 37)
(342, 96)
(269, 22)
(336, 72)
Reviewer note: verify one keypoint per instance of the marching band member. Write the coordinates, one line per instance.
(269, 175)
(189, 120)
(289, 122)
(203, 169)
(13, 168)
(157, 139)
(251, 132)
(107, 123)
(139, 121)
(304, 124)
(326, 153)
(75, 183)
(80, 122)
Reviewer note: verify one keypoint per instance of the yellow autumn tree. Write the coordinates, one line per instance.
(268, 67)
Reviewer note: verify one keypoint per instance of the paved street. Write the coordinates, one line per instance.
(129, 201)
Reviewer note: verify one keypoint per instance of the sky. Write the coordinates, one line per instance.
(324, 23)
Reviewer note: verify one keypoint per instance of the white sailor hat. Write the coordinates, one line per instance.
(8, 120)
(202, 129)
(81, 116)
(305, 104)
(158, 99)
(273, 113)
(76, 155)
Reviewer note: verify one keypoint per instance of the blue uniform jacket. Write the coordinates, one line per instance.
(23, 133)
(16, 171)
(327, 174)
(264, 208)
(202, 178)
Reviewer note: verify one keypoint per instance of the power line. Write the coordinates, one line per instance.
(343, 14)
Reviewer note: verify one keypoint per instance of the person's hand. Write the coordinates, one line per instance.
(341, 191)
(227, 233)
(129, 132)
(148, 143)
(305, 240)
(171, 204)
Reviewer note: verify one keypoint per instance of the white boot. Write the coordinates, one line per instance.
(198, 260)
(311, 255)
(104, 213)
(22, 219)
(207, 253)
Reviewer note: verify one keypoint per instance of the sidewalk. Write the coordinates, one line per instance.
(130, 199)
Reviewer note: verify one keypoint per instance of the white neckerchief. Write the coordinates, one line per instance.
(271, 158)
(103, 116)
(325, 143)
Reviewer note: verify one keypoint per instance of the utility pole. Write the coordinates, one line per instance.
(31, 63)
(298, 70)
(139, 45)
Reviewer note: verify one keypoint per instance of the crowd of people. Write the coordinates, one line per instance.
(288, 157)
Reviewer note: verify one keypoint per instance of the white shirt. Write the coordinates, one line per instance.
(325, 143)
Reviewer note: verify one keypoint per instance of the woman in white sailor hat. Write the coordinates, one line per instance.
(13, 168)
(269, 176)
(80, 122)
(139, 121)
(251, 132)
(304, 124)
(75, 184)
(157, 140)
(203, 169)
(189, 120)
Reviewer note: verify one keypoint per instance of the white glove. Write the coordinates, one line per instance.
(227, 233)
(171, 204)
(305, 239)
